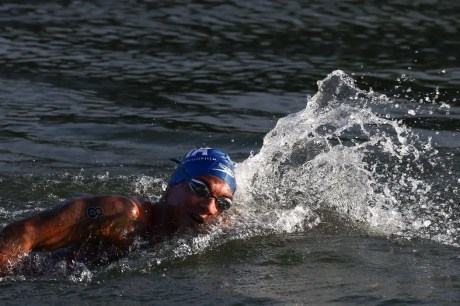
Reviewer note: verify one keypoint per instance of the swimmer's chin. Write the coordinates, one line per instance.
(197, 219)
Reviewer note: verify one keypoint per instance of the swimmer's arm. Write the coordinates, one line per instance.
(67, 224)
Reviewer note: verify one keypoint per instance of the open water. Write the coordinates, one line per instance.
(343, 117)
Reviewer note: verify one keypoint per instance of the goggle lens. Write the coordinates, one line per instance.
(201, 189)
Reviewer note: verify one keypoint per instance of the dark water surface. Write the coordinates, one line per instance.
(352, 198)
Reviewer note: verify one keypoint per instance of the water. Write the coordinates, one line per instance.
(343, 117)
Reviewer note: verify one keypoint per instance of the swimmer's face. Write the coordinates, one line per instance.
(187, 208)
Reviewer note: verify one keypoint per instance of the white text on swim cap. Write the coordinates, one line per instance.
(225, 169)
(203, 151)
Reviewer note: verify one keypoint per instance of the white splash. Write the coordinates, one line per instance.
(338, 155)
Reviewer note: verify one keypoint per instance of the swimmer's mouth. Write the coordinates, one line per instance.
(197, 219)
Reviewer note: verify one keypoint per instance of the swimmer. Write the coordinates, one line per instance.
(90, 229)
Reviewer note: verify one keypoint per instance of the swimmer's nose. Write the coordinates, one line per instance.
(209, 206)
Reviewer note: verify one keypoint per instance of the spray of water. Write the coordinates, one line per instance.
(340, 156)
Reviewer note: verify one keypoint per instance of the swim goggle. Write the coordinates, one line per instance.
(201, 189)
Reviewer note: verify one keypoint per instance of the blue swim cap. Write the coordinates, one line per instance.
(204, 161)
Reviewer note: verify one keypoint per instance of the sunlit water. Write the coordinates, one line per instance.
(348, 182)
